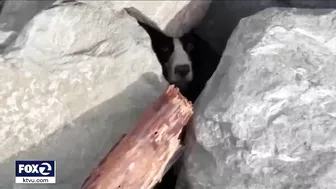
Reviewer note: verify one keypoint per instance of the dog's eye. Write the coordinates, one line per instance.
(190, 47)
(164, 49)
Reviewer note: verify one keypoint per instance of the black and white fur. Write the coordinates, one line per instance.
(187, 61)
(172, 53)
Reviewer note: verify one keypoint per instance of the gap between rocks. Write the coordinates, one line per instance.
(205, 61)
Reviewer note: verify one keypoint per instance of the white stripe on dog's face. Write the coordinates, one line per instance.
(178, 66)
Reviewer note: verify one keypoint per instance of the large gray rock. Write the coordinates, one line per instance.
(267, 117)
(223, 17)
(75, 80)
(173, 17)
(15, 15)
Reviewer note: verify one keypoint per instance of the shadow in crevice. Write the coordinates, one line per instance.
(205, 61)
(89, 137)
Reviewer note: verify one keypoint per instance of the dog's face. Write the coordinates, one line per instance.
(178, 66)
(172, 53)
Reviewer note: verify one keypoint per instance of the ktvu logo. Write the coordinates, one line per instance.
(35, 172)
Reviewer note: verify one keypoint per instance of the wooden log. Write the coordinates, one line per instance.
(139, 159)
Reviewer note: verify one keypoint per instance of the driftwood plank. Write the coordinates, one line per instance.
(139, 159)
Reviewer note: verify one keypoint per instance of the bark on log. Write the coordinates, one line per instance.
(138, 160)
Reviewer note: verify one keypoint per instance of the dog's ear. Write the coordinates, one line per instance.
(161, 43)
(154, 33)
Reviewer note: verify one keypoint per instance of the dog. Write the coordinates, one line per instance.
(188, 62)
(172, 54)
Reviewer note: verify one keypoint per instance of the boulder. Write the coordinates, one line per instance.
(266, 118)
(14, 16)
(173, 17)
(212, 29)
(222, 17)
(76, 78)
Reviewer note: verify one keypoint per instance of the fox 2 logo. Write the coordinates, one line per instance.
(35, 168)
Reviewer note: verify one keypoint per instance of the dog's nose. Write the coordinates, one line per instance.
(182, 70)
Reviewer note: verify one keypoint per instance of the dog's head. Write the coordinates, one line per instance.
(173, 54)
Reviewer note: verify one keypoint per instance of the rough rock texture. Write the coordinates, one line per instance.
(14, 15)
(173, 17)
(212, 28)
(267, 118)
(223, 17)
(75, 80)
